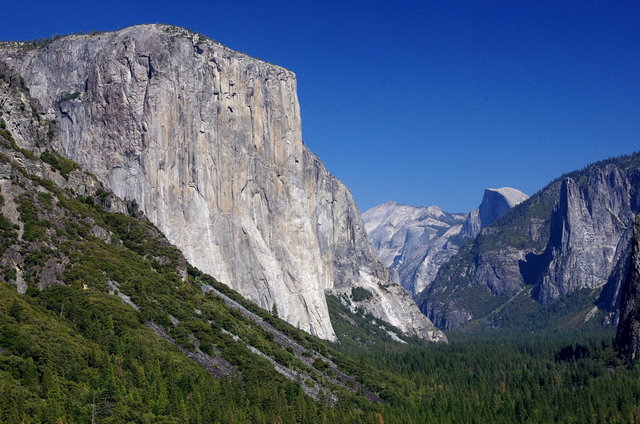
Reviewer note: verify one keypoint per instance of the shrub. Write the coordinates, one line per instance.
(359, 294)
(63, 165)
(69, 96)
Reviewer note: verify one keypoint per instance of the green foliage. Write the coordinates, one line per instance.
(523, 314)
(45, 199)
(359, 294)
(34, 228)
(63, 165)
(76, 351)
(16, 310)
(8, 234)
(539, 379)
(69, 96)
(69, 353)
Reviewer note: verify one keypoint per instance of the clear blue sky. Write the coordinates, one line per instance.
(416, 101)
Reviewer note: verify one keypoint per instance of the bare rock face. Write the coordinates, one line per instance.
(208, 142)
(413, 242)
(495, 203)
(588, 233)
(628, 335)
(472, 225)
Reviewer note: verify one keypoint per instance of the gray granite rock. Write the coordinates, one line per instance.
(413, 242)
(208, 142)
(574, 234)
(495, 203)
(588, 232)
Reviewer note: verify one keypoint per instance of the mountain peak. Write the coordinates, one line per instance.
(496, 202)
(513, 196)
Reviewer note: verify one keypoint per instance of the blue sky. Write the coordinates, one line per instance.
(416, 101)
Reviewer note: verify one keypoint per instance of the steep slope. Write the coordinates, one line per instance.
(413, 242)
(208, 142)
(628, 336)
(570, 240)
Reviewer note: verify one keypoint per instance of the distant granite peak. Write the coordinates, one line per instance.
(513, 196)
(412, 240)
(495, 203)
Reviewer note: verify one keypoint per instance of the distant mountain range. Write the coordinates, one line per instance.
(414, 242)
(553, 260)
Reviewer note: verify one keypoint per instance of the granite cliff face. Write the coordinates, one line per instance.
(572, 235)
(588, 232)
(495, 203)
(414, 242)
(208, 142)
(628, 335)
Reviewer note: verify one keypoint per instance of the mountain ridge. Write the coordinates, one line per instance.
(524, 248)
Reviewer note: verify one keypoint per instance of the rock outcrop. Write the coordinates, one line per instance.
(208, 142)
(588, 233)
(628, 335)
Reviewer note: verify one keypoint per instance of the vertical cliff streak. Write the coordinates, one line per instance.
(208, 142)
